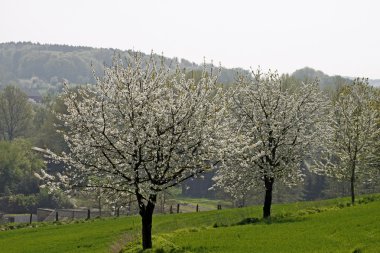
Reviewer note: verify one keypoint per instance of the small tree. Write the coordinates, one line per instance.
(15, 112)
(276, 126)
(17, 166)
(351, 153)
(141, 129)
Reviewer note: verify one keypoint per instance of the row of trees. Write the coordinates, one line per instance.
(24, 124)
(298, 128)
(143, 128)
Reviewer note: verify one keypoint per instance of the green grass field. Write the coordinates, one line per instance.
(324, 226)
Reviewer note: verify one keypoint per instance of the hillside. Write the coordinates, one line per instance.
(324, 226)
(43, 67)
(309, 74)
(325, 80)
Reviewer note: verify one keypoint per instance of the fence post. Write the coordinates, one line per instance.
(88, 214)
(56, 215)
(31, 218)
(178, 208)
(171, 209)
(197, 208)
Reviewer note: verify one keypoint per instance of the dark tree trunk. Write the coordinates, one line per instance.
(146, 213)
(100, 205)
(10, 135)
(353, 185)
(268, 181)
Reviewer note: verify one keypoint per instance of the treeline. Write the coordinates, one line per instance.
(23, 125)
(44, 67)
(314, 186)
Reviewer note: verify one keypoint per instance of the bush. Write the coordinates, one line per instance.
(248, 221)
(21, 203)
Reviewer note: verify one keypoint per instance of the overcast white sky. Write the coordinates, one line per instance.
(335, 36)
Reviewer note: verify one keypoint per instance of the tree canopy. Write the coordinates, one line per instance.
(352, 150)
(277, 125)
(15, 112)
(140, 130)
(17, 167)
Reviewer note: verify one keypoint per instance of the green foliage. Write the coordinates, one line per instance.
(46, 123)
(20, 203)
(53, 200)
(17, 166)
(15, 113)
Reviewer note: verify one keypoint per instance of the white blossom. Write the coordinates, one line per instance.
(274, 126)
(353, 137)
(140, 130)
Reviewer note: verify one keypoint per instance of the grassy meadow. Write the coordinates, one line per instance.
(323, 226)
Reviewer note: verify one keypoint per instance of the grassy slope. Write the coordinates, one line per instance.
(343, 230)
(333, 230)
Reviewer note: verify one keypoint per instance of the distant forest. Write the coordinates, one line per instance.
(43, 68)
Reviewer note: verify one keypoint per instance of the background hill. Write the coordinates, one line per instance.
(43, 67)
(308, 73)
